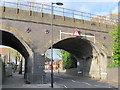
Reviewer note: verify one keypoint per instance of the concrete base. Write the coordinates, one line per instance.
(72, 71)
(113, 74)
(35, 69)
(35, 79)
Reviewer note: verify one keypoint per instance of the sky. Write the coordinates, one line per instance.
(1, 46)
(99, 7)
(56, 54)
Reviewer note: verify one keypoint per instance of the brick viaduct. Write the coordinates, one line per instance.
(26, 33)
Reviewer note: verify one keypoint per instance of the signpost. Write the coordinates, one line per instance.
(77, 33)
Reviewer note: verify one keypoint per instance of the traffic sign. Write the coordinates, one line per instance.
(76, 33)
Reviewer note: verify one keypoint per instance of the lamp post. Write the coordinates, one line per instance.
(60, 4)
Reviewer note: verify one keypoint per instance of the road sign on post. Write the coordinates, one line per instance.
(76, 33)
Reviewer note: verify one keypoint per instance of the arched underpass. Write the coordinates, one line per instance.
(87, 54)
(92, 59)
(10, 40)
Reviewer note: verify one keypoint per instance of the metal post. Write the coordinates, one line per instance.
(18, 6)
(30, 8)
(52, 41)
(17, 3)
(63, 12)
(4, 6)
(20, 72)
(90, 16)
(60, 35)
(41, 8)
(4, 3)
(9, 57)
(82, 15)
(73, 14)
(100, 69)
(94, 38)
(52, 45)
(21, 65)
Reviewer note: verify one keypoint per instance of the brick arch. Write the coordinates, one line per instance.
(95, 44)
(9, 39)
(19, 36)
(87, 50)
(13, 40)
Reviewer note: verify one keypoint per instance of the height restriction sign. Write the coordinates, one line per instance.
(76, 33)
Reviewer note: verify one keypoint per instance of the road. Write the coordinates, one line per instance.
(68, 81)
(61, 80)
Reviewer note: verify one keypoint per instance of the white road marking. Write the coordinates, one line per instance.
(65, 86)
(73, 81)
(97, 85)
(61, 85)
(87, 83)
(76, 81)
(100, 86)
(58, 77)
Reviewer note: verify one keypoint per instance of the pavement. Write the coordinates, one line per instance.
(17, 81)
(112, 83)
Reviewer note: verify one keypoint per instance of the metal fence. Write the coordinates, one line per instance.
(45, 8)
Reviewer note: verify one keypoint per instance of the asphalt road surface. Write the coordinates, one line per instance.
(78, 82)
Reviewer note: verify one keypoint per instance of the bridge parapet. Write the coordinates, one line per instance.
(40, 17)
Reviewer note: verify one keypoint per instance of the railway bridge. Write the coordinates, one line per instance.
(29, 32)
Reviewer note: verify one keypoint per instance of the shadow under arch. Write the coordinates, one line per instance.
(92, 58)
(9, 39)
(77, 46)
(81, 49)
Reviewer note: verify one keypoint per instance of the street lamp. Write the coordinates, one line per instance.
(60, 4)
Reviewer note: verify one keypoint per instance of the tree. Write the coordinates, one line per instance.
(116, 47)
(61, 53)
(16, 55)
(69, 60)
(66, 60)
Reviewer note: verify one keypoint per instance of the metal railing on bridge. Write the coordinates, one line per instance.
(45, 8)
